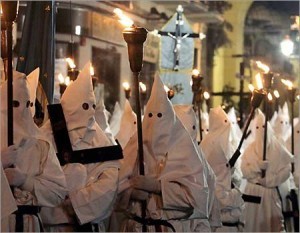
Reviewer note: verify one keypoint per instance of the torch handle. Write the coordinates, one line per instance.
(237, 154)
(140, 141)
(10, 138)
(139, 124)
(263, 172)
(200, 122)
(292, 136)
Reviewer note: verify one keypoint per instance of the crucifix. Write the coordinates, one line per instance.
(178, 36)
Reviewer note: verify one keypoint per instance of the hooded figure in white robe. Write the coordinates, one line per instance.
(101, 117)
(174, 184)
(218, 147)
(187, 116)
(115, 119)
(127, 126)
(263, 206)
(282, 127)
(37, 177)
(92, 187)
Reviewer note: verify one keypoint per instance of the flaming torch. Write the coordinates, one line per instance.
(127, 90)
(9, 13)
(267, 85)
(135, 38)
(197, 97)
(256, 99)
(72, 71)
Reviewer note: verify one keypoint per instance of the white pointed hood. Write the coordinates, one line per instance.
(115, 120)
(170, 153)
(233, 119)
(258, 128)
(78, 103)
(77, 96)
(101, 117)
(33, 81)
(24, 125)
(187, 116)
(282, 127)
(128, 125)
(159, 120)
(221, 133)
(273, 119)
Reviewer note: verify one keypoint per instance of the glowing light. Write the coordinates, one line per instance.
(202, 36)
(251, 87)
(298, 97)
(126, 86)
(263, 66)
(288, 83)
(195, 72)
(67, 81)
(123, 19)
(166, 88)
(1, 11)
(191, 82)
(71, 63)
(259, 81)
(78, 30)
(61, 78)
(270, 97)
(92, 71)
(206, 95)
(143, 87)
(276, 94)
(287, 46)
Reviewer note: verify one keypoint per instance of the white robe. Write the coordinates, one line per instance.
(266, 216)
(218, 147)
(170, 157)
(92, 187)
(45, 184)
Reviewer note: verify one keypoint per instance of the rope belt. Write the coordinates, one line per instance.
(151, 222)
(27, 210)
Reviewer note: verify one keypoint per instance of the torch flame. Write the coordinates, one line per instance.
(270, 97)
(143, 87)
(92, 71)
(206, 95)
(259, 81)
(251, 87)
(61, 78)
(67, 81)
(195, 72)
(276, 94)
(288, 83)
(123, 19)
(263, 66)
(126, 86)
(71, 63)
